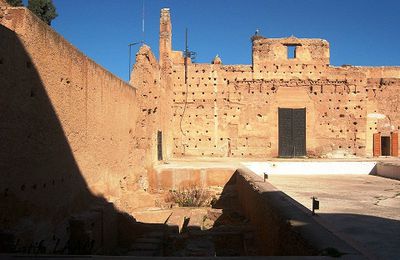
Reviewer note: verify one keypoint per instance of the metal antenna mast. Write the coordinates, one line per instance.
(187, 54)
(134, 43)
(130, 59)
(143, 23)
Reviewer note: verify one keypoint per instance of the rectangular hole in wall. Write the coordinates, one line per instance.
(159, 146)
(385, 145)
(291, 51)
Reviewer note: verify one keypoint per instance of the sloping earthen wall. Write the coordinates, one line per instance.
(232, 110)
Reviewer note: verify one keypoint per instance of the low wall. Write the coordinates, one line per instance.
(388, 170)
(311, 167)
(165, 178)
(282, 227)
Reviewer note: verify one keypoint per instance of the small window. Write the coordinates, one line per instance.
(291, 51)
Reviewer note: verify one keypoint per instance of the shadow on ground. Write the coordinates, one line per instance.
(374, 236)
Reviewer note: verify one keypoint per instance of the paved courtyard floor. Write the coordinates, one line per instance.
(364, 210)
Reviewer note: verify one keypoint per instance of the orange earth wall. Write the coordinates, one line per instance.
(67, 128)
(232, 110)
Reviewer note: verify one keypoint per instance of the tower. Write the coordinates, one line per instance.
(165, 35)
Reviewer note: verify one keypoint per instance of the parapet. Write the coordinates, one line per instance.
(290, 50)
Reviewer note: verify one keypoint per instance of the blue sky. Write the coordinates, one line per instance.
(360, 32)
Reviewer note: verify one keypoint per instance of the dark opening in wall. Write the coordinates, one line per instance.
(385, 145)
(159, 146)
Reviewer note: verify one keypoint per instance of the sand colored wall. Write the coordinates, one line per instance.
(146, 76)
(67, 129)
(96, 110)
(232, 110)
(283, 227)
(269, 52)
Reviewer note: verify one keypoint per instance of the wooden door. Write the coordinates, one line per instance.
(377, 144)
(395, 144)
(292, 132)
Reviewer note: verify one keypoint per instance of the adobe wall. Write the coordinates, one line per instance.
(284, 227)
(67, 132)
(146, 76)
(232, 110)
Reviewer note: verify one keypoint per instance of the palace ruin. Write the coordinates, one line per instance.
(83, 151)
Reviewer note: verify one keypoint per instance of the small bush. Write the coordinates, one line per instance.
(190, 197)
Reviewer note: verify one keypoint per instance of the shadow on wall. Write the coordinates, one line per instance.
(45, 204)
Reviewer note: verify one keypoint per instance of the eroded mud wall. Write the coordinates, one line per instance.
(67, 129)
(232, 110)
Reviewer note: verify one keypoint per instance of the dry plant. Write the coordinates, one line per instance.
(192, 196)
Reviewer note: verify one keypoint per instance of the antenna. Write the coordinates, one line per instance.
(143, 21)
(186, 54)
(130, 55)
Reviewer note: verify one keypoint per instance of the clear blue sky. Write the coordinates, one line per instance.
(360, 32)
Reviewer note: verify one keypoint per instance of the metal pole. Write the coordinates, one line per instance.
(129, 70)
(186, 54)
(130, 62)
(143, 23)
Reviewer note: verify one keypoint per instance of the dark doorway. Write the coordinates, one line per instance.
(159, 145)
(385, 145)
(292, 132)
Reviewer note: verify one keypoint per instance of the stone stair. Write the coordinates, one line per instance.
(150, 244)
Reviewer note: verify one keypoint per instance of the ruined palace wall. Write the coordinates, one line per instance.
(232, 111)
(66, 124)
(269, 52)
(146, 77)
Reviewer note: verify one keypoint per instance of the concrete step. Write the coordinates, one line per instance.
(141, 253)
(148, 240)
(155, 234)
(145, 246)
(196, 220)
(176, 220)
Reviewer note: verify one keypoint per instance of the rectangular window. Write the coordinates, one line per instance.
(291, 51)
